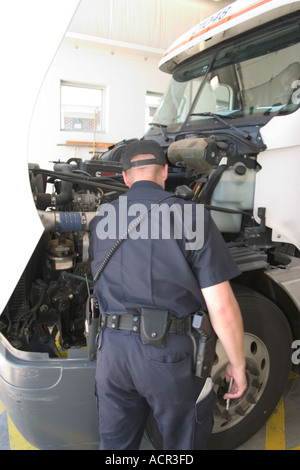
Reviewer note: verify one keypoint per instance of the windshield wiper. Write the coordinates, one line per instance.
(243, 133)
(162, 128)
(238, 132)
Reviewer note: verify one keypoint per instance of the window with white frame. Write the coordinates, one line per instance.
(81, 107)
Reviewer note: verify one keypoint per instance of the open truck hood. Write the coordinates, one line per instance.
(31, 31)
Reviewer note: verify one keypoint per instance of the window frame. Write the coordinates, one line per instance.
(75, 84)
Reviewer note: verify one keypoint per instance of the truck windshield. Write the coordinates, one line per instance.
(257, 75)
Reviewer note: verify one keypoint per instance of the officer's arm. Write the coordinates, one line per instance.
(227, 322)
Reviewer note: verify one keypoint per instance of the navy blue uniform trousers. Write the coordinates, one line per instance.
(132, 378)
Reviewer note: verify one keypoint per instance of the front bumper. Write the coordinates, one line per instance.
(51, 401)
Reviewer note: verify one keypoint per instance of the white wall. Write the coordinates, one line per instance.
(126, 74)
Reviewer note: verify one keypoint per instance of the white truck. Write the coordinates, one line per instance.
(229, 123)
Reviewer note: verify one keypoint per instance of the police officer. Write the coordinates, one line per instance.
(158, 274)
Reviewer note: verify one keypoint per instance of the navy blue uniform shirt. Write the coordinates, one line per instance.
(146, 271)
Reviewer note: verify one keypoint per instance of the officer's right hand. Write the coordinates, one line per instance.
(239, 383)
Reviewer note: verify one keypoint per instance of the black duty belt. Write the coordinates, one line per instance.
(130, 322)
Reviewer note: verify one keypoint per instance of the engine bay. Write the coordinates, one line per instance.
(47, 310)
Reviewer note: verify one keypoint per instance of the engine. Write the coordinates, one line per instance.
(46, 311)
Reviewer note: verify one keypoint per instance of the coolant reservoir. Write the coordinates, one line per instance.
(235, 190)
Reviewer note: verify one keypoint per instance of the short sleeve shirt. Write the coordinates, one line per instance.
(162, 263)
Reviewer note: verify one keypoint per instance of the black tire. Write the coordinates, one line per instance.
(268, 342)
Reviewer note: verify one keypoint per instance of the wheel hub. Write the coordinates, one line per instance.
(257, 372)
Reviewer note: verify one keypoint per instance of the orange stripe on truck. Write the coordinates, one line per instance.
(223, 20)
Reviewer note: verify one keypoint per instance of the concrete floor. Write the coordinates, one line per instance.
(281, 432)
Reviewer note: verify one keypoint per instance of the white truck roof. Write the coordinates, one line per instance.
(232, 20)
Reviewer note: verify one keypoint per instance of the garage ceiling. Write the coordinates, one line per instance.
(149, 24)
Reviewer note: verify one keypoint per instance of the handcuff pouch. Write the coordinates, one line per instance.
(154, 327)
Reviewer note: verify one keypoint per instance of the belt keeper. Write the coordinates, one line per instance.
(115, 323)
(103, 321)
(135, 323)
(180, 326)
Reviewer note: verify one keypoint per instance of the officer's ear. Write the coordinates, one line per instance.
(165, 172)
(126, 179)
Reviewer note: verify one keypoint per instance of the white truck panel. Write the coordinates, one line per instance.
(30, 32)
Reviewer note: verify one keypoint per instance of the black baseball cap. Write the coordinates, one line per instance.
(143, 147)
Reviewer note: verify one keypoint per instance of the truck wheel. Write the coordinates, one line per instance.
(268, 342)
